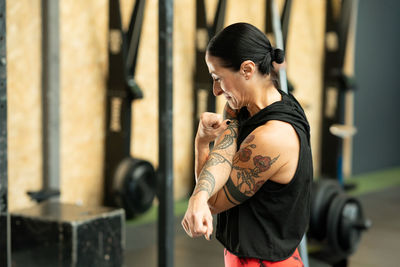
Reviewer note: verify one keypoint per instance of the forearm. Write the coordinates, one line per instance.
(201, 154)
(218, 164)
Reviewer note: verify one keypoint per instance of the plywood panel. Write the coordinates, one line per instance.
(305, 63)
(24, 100)
(145, 111)
(184, 57)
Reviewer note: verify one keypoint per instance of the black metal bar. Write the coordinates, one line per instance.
(346, 12)
(329, 149)
(165, 170)
(268, 17)
(217, 26)
(285, 19)
(50, 95)
(133, 36)
(202, 77)
(118, 103)
(219, 18)
(116, 48)
(203, 81)
(5, 237)
(335, 85)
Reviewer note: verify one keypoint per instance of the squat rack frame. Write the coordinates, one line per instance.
(5, 233)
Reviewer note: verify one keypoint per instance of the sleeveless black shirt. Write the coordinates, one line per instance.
(271, 224)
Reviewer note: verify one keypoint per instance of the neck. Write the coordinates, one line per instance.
(263, 97)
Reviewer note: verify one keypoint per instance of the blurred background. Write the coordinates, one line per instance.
(343, 74)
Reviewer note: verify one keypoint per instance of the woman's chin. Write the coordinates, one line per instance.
(231, 104)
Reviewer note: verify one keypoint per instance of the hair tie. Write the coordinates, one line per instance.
(272, 54)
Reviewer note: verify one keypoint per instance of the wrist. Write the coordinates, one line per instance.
(201, 196)
(202, 144)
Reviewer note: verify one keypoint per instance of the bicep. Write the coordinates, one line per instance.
(252, 166)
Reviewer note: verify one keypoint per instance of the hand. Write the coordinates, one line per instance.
(198, 219)
(211, 125)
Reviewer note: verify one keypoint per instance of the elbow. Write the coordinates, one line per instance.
(214, 210)
(212, 204)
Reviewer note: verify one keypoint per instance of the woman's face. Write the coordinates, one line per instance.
(226, 82)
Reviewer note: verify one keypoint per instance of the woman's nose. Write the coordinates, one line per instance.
(217, 90)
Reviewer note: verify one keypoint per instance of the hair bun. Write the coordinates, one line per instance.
(277, 55)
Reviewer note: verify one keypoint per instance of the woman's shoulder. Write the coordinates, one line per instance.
(277, 134)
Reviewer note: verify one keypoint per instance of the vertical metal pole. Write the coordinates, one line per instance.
(303, 251)
(279, 38)
(5, 243)
(165, 170)
(50, 94)
(285, 20)
(276, 25)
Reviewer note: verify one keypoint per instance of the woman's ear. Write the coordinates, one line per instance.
(247, 69)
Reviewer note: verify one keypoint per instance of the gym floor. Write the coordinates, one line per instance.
(378, 246)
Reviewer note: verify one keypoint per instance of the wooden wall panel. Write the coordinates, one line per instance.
(24, 100)
(305, 63)
(83, 56)
(184, 57)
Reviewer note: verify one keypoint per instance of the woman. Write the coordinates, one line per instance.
(258, 175)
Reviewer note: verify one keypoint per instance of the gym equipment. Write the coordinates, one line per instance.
(337, 88)
(5, 241)
(56, 234)
(50, 103)
(278, 25)
(166, 218)
(345, 224)
(204, 99)
(129, 183)
(134, 185)
(322, 194)
(337, 221)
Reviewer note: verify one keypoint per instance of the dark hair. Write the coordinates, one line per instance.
(242, 41)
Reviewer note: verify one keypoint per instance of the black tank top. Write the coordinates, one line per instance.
(271, 224)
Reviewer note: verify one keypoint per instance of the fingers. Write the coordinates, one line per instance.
(209, 225)
(200, 228)
(186, 227)
(211, 120)
(199, 224)
(209, 127)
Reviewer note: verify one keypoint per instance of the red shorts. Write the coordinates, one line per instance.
(235, 261)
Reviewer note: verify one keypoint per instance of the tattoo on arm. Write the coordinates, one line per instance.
(235, 192)
(214, 159)
(206, 183)
(247, 179)
(227, 196)
(206, 180)
(230, 138)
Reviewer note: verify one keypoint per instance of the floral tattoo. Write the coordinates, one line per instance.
(247, 179)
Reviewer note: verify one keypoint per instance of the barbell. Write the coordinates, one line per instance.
(134, 186)
(336, 218)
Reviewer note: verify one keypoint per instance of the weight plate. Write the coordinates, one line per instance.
(323, 192)
(349, 230)
(333, 224)
(134, 186)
